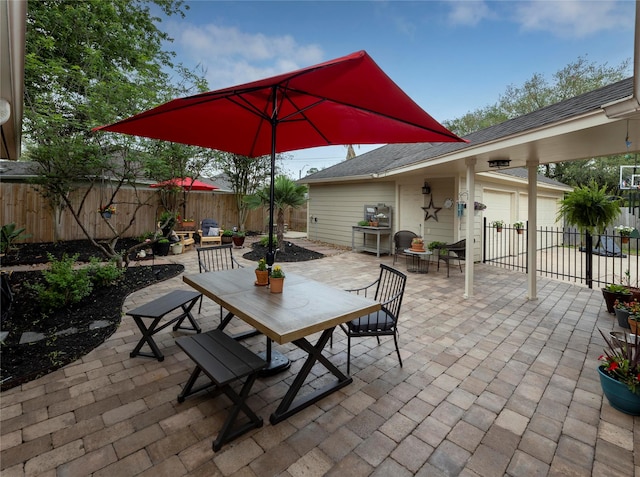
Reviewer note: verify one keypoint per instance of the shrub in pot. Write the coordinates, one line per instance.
(614, 292)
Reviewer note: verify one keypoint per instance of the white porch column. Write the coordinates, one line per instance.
(468, 263)
(532, 238)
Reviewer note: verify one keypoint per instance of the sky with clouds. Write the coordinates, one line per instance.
(450, 57)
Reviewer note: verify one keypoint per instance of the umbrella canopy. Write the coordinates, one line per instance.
(348, 100)
(186, 183)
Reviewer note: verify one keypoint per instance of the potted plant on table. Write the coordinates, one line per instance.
(262, 274)
(277, 279)
(519, 226)
(417, 244)
(625, 232)
(619, 371)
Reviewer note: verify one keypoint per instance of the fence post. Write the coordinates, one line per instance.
(588, 257)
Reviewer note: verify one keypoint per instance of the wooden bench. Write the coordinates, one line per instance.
(224, 361)
(186, 237)
(156, 310)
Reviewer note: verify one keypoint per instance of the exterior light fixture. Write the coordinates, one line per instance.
(499, 163)
(426, 189)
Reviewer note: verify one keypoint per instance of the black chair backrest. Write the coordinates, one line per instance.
(390, 289)
(216, 258)
(208, 223)
(459, 248)
(402, 239)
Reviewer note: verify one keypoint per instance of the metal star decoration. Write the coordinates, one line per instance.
(431, 211)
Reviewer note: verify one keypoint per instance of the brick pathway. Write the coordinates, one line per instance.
(493, 385)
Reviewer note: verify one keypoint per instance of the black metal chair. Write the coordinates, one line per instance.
(454, 251)
(214, 259)
(402, 241)
(389, 290)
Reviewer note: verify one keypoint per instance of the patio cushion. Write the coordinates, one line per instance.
(379, 320)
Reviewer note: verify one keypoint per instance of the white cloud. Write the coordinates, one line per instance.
(231, 56)
(574, 18)
(468, 13)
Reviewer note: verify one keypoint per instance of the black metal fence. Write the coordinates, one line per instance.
(562, 253)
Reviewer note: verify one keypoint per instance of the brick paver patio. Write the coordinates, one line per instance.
(493, 385)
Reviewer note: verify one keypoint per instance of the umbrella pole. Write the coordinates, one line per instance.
(276, 361)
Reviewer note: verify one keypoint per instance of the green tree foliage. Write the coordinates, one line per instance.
(90, 63)
(286, 194)
(245, 175)
(537, 92)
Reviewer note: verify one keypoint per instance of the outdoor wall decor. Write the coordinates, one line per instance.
(431, 211)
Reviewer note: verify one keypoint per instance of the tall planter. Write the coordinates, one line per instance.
(619, 395)
(623, 318)
(611, 297)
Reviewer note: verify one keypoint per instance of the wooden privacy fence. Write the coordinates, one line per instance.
(24, 206)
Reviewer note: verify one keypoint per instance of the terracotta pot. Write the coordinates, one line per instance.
(238, 241)
(188, 224)
(619, 395)
(519, 231)
(276, 285)
(633, 324)
(498, 229)
(624, 239)
(262, 277)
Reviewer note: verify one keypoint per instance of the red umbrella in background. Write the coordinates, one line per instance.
(187, 184)
(349, 100)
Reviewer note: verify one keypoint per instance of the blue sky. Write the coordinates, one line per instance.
(451, 57)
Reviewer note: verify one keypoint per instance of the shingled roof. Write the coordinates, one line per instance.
(393, 156)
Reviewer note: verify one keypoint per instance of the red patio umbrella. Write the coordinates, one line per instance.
(348, 100)
(186, 183)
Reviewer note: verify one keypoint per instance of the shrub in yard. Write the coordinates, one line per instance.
(63, 284)
(104, 274)
(264, 241)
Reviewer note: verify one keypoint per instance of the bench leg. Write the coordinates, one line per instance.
(187, 391)
(228, 433)
(147, 337)
(186, 308)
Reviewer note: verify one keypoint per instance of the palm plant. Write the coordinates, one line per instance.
(286, 194)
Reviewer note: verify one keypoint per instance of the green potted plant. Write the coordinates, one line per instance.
(498, 225)
(519, 226)
(623, 310)
(625, 232)
(227, 236)
(363, 223)
(613, 292)
(436, 245)
(262, 274)
(277, 279)
(633, 317)
(238, 238)
(591, 209)
(619, 370)
(161, 247)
